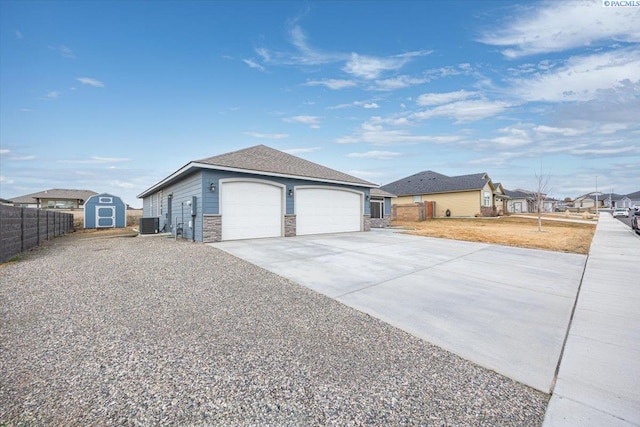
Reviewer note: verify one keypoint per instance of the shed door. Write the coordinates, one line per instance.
(325, 210)
(105, 216)
(251, 209)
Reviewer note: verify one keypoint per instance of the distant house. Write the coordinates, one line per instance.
(54, 199)
(590, 200)
(454, 196)
(623, 201)
(525, 201)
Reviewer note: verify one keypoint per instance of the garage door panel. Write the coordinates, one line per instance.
(320, 210)
(251, 210)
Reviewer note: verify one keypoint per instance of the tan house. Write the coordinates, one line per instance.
(54, 199)
(454, 196)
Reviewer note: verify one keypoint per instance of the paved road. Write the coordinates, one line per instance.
(504, 308)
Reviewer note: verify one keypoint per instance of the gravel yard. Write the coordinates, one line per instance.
(147, 331)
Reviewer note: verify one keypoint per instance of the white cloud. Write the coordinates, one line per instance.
(377, 155)
(371, 105)
(335, 84)
(443, 98)
(398, 82)
(560, 26)
(464, 111)
(64, 51)
(302, 150)
(121, 184)
(582, 77)
(513, 137)
(98, 159)
(372, 132)
(370, 67)
(4, 151)
(90, 82)
(5, 180)
(18, 34)
(267, 135)
(549, 130)
(52, 95)
(253, 64)
(26, 110)
(312, 121)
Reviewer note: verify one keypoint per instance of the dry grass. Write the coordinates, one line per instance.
(509, 231)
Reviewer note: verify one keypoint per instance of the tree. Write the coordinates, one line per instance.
(542, 182)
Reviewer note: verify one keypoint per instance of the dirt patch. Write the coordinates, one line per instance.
(509, 231)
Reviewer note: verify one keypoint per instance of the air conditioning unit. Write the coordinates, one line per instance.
(149, 225)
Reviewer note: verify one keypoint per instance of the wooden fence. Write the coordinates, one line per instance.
(24, 228)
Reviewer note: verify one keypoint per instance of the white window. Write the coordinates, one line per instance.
(416, 199)
(105, 199)
(487, 199)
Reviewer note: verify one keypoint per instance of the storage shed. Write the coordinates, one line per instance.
(104, 211)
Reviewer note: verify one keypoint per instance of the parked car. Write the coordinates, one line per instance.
(635, 221)
(620, 212)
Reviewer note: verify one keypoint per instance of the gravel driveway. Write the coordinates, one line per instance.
(147, 331)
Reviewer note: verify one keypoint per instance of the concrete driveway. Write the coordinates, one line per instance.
(504, 308)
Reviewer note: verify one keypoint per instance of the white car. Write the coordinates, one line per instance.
(620, 212)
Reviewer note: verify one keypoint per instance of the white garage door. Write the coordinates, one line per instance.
(250, 210)
(322, 210)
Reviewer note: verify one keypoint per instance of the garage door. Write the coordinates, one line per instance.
(250, 210)
(322, 210)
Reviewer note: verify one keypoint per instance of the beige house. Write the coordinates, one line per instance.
(454, 196)
(54, 199)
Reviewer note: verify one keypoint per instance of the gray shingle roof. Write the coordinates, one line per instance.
(55, 193)
(429, 182)
(269, 160)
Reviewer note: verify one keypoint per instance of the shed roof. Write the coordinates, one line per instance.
(264, 160)
(55, 193)
(429, 182)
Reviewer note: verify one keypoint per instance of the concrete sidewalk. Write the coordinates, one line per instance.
(598, 383)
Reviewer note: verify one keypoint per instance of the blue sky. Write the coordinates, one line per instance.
(114, 96)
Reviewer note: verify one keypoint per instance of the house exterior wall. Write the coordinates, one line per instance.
(180, 192)
(461, 204)
(208, 203)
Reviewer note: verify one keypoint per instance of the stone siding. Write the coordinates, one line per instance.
(289, 225)
(380, 222)
(366, 223)
(212, 228)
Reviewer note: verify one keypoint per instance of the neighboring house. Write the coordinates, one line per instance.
(501, 199)
(623, 201)
(635, 199)
(6, 202)
(525, 201)
(456, 196)
(257, 192)
(380, 207)
(54, 199)
(589, 201)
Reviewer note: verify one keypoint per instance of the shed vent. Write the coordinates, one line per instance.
(149, 225)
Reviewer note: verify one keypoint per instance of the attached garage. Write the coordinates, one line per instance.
(257, 192)
(251, 209)
(327, 210)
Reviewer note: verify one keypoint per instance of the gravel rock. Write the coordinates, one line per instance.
(148, 331)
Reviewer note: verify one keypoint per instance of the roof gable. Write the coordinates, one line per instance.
(428, 182)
